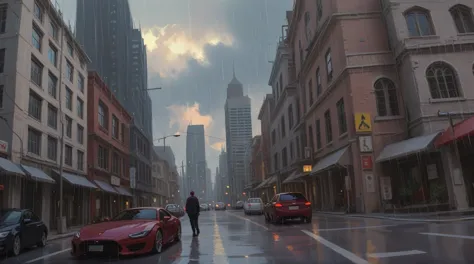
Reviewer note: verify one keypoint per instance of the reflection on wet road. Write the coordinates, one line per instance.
(233, 238)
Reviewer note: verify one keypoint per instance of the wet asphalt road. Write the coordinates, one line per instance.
(233, 238)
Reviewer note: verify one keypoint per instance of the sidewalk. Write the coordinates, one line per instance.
(432, 217)
(53, 235)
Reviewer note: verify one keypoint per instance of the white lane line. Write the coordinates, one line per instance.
(49, 255)
(246, 219)
(395, 254)
(447, 235)
(354, 228)
(347, 254)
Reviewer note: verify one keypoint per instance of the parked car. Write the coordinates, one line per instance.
(175, 209)
(132, 232)
(253, 206)
(289, 205)
(239, 205)
(220, 206)
(204, 207)
(19, 229)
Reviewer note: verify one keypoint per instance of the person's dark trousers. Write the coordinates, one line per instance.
(193, 219)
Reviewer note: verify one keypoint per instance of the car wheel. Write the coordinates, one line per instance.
(42, 242)
(158, 246)
(178, 234)
(16, 246)
(309, 219)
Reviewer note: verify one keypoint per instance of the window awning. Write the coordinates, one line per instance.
(406, 147)
(121, 190)
(462, 129)
(263, 184)
(77, 180)
(271, 181)
(105, 187)
(294, 177)
(38, 175)
(10, 167)
(339, 157)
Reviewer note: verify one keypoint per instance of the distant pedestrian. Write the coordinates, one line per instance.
(193, 209)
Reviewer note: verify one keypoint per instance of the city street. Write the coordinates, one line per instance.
(231, 237)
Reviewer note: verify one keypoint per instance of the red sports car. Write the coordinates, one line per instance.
(133, 231)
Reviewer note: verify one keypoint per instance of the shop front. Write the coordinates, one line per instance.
(295, 183)
(414, 171)
(104, 201)
(11, 180)
(125, 197)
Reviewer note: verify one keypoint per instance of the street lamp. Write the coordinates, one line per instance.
(164, 139)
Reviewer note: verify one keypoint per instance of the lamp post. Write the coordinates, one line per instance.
(165, 137)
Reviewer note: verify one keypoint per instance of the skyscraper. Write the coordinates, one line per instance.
(196, 164)
(118, 54)
(238, 126)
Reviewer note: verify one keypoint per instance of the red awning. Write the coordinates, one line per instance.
(462, 129)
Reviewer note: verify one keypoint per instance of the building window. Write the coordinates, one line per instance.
(52, 116)
(310, 93)
(80, 83)
(70, 49)
(386, 97)
(80, 134)
(34, 105)
(80, 108)
(122, 133)
(53, 30)
(52, 148)
(341, 116)
(3, 17)
(34, 141)
(290, 117)
(36, 38)
(442, 81)
(115, 127)
(329, 68)
(38, 12)
(327, 120)
(2, 60)
(319, 88)
(103, 115)
(103, 158)
(52, 85)
(68, 98)
(273, 137)
(462, 16)
(283, 126)
(1, 96)
(275, 161)
(68, 126)
(311, 137)
(80, 160)
(115, 163)
(68, 155)
(284, 157)
(36, 74)
(307, 26)
(69, 71)
(319, 143)
(301, 55)
(419, 22)
(53, 55)
(319, 7)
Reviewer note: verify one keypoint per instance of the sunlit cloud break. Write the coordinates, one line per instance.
(170, 48)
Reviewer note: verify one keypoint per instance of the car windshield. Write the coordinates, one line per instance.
(220, 204)
(9, 216)
(255, 200)
(171, 207)
(136, 214)
(291, 197)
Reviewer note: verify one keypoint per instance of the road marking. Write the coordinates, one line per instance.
(48, 256)
(347, 254)
(354, 228)
(246, 219)
(448, 235)
(395, 254)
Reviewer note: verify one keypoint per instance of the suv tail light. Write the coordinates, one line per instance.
(250, 205)
(278, 205)
(307, 203)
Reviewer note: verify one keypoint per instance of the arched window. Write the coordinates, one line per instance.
(463, 19)
(419, 22)
(442, 81)
(386, 97)
(307, 26)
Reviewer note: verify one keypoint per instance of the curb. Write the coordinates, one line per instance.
(57, 237)
(420, 220)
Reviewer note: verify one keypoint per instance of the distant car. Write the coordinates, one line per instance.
(132, 232)
(253, 206)
(20, 229)
(175, 209)
(289, 205)
(220, 206)
(239, 205)
(204, 207)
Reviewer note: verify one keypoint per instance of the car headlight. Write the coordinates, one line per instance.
(4, 234)
(139, 234)
(77, 235)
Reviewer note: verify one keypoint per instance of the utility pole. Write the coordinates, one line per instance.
(183, 188)
(61, 228)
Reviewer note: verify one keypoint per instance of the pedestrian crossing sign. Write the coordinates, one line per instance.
(363, 122)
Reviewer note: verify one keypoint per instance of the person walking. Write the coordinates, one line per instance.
(193, 209)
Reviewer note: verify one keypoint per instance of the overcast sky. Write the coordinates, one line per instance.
(191, 45)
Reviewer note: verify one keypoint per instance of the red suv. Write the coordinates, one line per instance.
(288, 205)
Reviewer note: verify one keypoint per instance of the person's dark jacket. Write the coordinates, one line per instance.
(192, 205)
